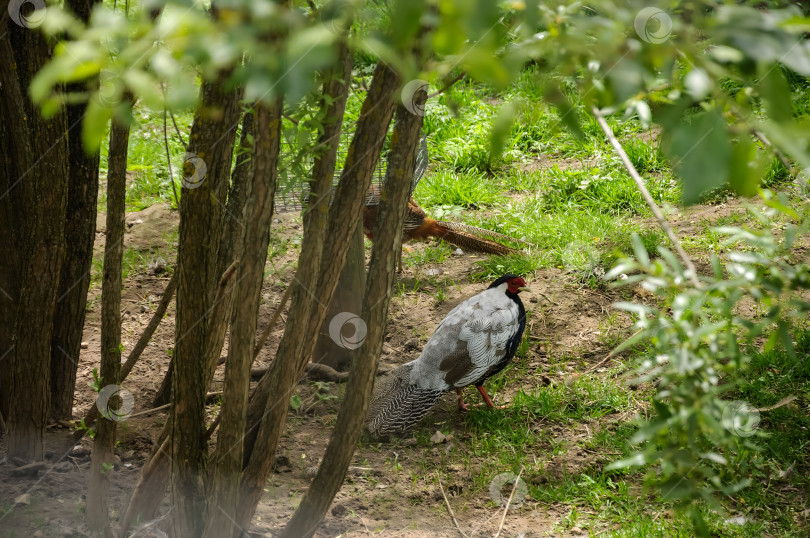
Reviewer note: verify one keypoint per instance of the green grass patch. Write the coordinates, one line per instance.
(431, 254)
(603, 191)
(578, 240)
(469, 189)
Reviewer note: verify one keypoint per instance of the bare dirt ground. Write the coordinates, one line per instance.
(391, 488)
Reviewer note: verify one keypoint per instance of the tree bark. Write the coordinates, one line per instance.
(388, 235)
(201, 215)
(149, 491)
(258, 213)
(33, 200)
(277, 385)
(80, 231)
(233, 234)
(336, 346)
(336, 87)
(104, 442)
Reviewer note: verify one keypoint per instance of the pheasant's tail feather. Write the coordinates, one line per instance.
(470, 238)
(482, 232)
(397, 405)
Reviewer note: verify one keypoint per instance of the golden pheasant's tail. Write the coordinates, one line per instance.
(481, 232)
(469, 237)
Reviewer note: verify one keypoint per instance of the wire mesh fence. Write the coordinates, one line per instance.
(296, 169)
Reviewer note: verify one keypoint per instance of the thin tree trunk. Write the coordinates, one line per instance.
(388, 235)
(149, 492)
(201, 216)
(258, 213)
(337, 342)
(80, 231)
(336, 87)
(288, 367)
(33, 194)
(104, 442)
(235, 222)
(150, 489)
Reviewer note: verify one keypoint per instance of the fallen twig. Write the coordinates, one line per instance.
(449, 509)
(780, 403)
(208, 399)
(508, 502)
(662, 221)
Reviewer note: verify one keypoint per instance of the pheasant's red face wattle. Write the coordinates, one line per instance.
(515, 284)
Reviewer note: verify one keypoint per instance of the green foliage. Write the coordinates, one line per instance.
(608, 191)
(465, 189)
(698, 441)
(432, 254)
(582, 241)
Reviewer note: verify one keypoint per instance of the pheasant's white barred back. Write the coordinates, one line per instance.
(474, 341)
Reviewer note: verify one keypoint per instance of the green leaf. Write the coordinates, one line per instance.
(787, 341)
(568, 112)
(633, 340)
(776, 94)
(636, 460)
(501, 127)
(640, 251)
(94, 126)
(697, 521)
(747, 168)
(295, 402)
(701, 151)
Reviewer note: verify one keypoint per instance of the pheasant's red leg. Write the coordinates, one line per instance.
(461, 405)
(485, 396)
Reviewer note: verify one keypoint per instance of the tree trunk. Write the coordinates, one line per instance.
(80, 231)
(201, 216)
(336, 87)
(338, 342)
(233, 234)
(388, 235)
(33, 200)
(276, 387)
(155, 475)
(104, 442)
(258, 216)
(232, 221)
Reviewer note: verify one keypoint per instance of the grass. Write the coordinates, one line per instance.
(578, 240)
(133, 261)
(148, 178)
(467, 189)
